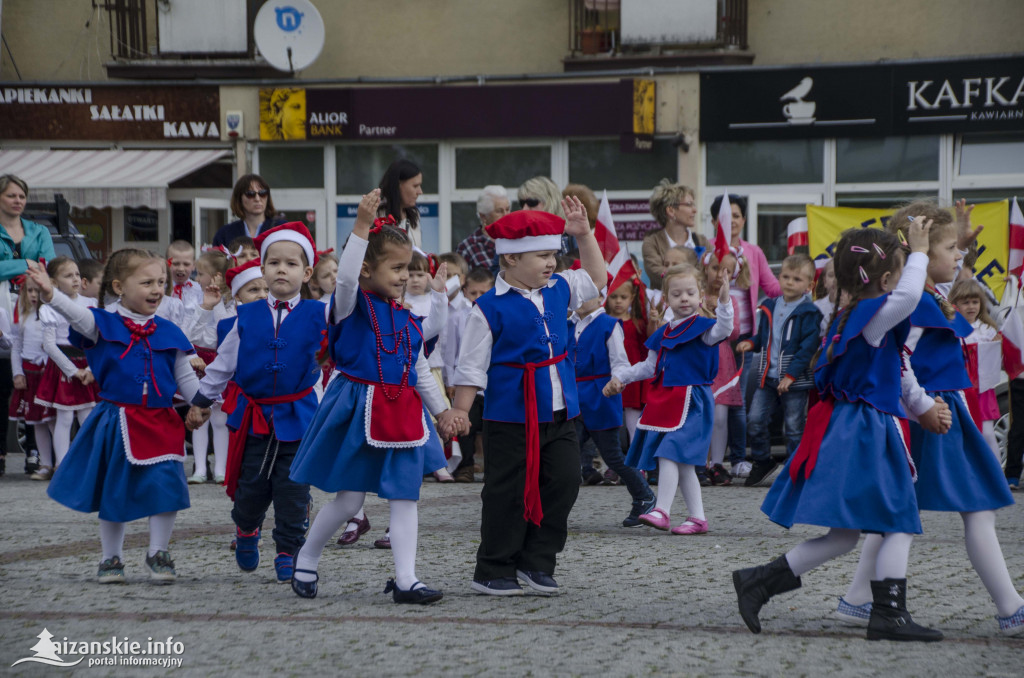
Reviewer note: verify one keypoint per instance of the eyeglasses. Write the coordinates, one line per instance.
(263, 193)
(530, 202)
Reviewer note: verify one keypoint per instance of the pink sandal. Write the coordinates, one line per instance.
(657, 519)
(691, 526)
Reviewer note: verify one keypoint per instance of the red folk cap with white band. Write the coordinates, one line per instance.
(293, 231)
(527, 231)
(240, 276)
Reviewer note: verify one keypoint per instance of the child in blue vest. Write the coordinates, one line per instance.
(787, 337)
(127, 460)
(599, 350)
(371, 432)
(270, 353)
(852, 471)
(957, 470)
(515, 346)
(674, 431)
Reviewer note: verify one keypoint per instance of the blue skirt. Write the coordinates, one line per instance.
(334, 455)
(688, 444)
(862, 479)
(957, 471)
(97, 476)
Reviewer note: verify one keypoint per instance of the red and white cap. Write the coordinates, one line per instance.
(293, 231)
(527, 231)
(240, 276)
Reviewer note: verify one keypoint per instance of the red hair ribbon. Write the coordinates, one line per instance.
(381, 222)
(433, 263)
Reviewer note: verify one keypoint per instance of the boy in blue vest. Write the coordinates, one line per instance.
(515, 347)
(787, 336)
(270, 353)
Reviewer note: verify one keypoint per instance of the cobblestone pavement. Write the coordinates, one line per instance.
(635, 601)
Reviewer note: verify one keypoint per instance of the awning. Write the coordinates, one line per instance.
(113, 178)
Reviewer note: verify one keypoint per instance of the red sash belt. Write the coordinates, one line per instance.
(806, 454)
(594, 377)
(252, 416)
(532, 510)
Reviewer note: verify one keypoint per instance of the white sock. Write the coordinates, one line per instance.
(893, 554)
(331, 516)
(352, 527)
(160, 527)
(44, 444)
(988, 432)
(668, 481)
(859, 592)
(200, 445)
(405, 521)
(62, 433)
(631, 416)
(720, 434)
(689, 486)
(987, 558)
(112, 539)
(221, 440)
(813, 552)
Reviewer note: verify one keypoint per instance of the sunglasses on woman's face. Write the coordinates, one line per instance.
(530, 202)
(263, 193)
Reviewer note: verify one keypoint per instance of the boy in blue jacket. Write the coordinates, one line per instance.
(787, 337)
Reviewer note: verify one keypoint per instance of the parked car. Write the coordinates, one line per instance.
(67, 241)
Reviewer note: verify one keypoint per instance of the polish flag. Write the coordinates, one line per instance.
(1013, 343)
(615, 255)
(796, 234)
(1016, 259)
(723, 228)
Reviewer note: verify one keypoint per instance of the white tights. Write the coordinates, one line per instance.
(44, 443)
(988, 432)
(672, 475)
(631, 416)
(890, 556)
(160, 527)
(62, 430)
(334, 514)
(720, 434)
(218, 423)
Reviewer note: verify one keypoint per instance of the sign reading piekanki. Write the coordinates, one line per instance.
(928, 97)
(113, 113)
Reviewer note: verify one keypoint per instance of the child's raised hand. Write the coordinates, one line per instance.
(211, 294)
(613, 388)
(917, 234)
(37, 274)
(576, 222)
(965, 235)
(723, 294)
(366, 213)
(440, 279)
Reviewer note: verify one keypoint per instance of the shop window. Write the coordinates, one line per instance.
(509, 166)
(992, 154)
(772, 221)
(464, 221)
(361, 167)
(882, 201)
(141, 225)
(887, 159)
(736, 163)
(600, 164)
(978, 195)
(293, 167)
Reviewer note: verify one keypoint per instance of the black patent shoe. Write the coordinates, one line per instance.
(416, 596)
(304, 589)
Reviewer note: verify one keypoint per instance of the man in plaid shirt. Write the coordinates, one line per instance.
(478, 248)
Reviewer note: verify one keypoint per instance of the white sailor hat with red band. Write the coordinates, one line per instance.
(293, 231)
(527, 231)
(240, 276)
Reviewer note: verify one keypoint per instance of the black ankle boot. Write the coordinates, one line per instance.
(755, 585)
(889, 617)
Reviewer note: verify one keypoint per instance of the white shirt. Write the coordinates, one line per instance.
(27, 344)
(191, 296)
(204, 330)
(475, 353)
(55, 334)
(615, 343)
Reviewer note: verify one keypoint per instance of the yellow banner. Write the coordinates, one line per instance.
(826, 224)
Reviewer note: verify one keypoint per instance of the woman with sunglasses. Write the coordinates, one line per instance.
(251, 203)
(540, 193)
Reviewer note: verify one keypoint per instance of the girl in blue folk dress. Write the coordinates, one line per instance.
(852, 471)
(674, 432)
(371, 432)
(127, 460)
(956, 471)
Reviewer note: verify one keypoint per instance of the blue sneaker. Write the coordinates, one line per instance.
(284, 565)
(1014, 484)
(247, 550)
(539, 581)
(853, 615)
(505, 586)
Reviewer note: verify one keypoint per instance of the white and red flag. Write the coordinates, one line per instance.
(1016, 258)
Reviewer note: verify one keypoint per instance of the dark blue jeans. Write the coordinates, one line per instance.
(607, 443)
(766, 401)
(262, 481)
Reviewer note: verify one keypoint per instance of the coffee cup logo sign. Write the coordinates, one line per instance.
(798, 111)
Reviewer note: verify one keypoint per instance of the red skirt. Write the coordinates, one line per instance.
(23, 401)
(61, 393)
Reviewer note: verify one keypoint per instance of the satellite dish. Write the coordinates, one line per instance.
(289, 34)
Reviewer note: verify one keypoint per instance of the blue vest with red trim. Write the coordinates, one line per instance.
(279, 365)
(938, 358)
(124, 380)
(683, 357)
(590, 355)
(353, 344)
(521, 334)
(859, 371)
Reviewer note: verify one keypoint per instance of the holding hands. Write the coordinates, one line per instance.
(938, 419)
(196, 417)
(453, 422)
(613, 388)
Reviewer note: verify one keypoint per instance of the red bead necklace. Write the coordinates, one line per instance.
(401, 338)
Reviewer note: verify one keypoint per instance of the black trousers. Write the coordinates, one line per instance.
(467, 443)
(507, 541)
(6, 388)
(1015, 439)
(262, 481)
